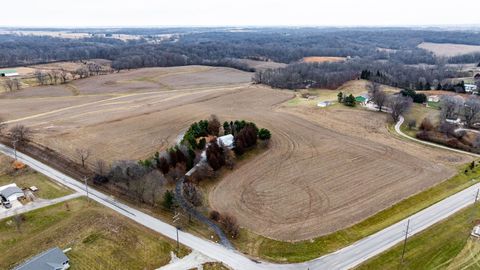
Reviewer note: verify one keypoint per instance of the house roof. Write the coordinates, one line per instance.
(360, 99)
(49, 260)
(9, 191)
(8, 71)
(226, 140)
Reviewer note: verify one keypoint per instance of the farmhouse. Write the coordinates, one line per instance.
(8, 73)
(324, 104)
(52, 259)
(433, 98)
(470, 88)
(11, 192)
(226, 140)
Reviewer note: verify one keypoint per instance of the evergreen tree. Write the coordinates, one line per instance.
(168, 200)
(340, 97)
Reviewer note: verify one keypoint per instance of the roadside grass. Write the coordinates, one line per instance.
(99, 237)
(289, 252)
(214, 266)
(446, 245)
(25, 178)
(418, 112)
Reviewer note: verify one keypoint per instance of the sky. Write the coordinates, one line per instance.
(138, 13)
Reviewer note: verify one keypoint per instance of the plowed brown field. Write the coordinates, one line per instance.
(325, 168)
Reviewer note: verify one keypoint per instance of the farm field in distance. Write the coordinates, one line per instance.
(324, 170)
(449, 49)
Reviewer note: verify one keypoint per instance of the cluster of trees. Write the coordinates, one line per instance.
(220, 46)
(348, 100)
(227, 221)
(417, 98)
(333, 75)
(11, 84)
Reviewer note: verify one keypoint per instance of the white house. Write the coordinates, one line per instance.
(470, 88)
(11, 192)
(433, 98)
(226, 140)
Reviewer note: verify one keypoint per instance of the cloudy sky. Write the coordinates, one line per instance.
(59, 13)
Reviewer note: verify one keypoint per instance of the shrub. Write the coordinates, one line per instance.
(264, 134)
(426, 125)
(168, 200)
(214, 215)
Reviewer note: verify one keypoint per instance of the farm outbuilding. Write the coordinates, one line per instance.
(11, 192)
(8, 73)
(433, 98)
(470, 88)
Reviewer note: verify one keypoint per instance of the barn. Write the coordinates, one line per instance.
(8, 73)
(11, 192)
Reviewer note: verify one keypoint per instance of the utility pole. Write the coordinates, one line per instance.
(14, 142)
(405, 242)
(86, 186)
(176, 220)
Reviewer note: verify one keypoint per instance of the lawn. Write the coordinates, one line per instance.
(25, 178)
(288, 252)
(446, 245)
(99, 238)
(418, 112)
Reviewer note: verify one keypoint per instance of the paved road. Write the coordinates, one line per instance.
(36, 205)
(345, 258)
(397, 129)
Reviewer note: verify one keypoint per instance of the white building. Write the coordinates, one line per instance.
(434, 98)
(8, 73)
(11, 192)
(226, 140)
(470, 88)
(324, 104)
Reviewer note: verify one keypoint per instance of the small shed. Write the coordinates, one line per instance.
(8, 73)
(52, 259)
(11, 192)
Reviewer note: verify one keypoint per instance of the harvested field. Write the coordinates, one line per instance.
(449, 49)
(322, 59)
(325, 169)
(262, 65)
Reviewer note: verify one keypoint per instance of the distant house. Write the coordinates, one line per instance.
(324, 104)
(11, 192)
(470, 88)
(8, 73)
(433, 98)
(53, 259)
(361, 99)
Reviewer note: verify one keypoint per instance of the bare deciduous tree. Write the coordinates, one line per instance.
(100, 167)
(83, 154)
(21, 133)
(11, 84)
(471, 110)
(399, 105)
(41, 77)
(63, 76)
(450, 106)
(230, 225)
(3, 125)
(377, 95)
(192, 194)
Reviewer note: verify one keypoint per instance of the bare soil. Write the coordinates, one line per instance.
(322, 59)
(325, 169)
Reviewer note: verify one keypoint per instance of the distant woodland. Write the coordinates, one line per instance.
(386, 50)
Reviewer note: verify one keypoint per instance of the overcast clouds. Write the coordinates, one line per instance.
(79, 13)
